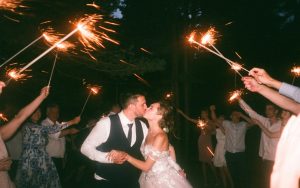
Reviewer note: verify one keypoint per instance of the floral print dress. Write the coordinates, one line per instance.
(36, 169)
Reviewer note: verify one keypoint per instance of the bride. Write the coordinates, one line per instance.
(159, 168)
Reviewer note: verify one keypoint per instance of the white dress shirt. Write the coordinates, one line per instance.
(267, 146)
(56, 146)
(100, 134)
(235, 136)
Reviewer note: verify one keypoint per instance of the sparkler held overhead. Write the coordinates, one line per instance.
(209, 38)
(94, 90)
(89, 37)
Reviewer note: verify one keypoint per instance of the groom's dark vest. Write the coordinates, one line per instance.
(117, 141)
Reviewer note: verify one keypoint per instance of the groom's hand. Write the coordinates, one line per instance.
(117, 157)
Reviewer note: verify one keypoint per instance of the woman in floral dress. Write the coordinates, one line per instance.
(36, 169)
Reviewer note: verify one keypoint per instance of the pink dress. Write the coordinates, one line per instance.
(205, 147)
(5, 181)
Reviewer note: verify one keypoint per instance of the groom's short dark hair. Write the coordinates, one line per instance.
(129, 98)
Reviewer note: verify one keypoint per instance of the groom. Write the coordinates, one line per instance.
(118, 132)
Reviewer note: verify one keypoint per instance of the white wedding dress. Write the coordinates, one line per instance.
(164, 172)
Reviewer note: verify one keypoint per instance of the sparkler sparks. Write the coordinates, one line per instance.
(209, 37)
(93, 5)
(52, 37)
(201, 124)
(94, 90)
(11, 5)
(144, 50)
(89, 37)
(13, 74)
(296, 71)
(168, 95)
(2, 117)
(210, 151)
(141, 79)
(235, 95)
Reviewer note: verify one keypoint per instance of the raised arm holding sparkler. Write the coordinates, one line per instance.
(274, 96)
(285, 89)
(9, 129)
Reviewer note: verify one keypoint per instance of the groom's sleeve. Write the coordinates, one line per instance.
(97, 136)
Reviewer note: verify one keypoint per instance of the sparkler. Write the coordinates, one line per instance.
(37, 39)
(201, 124)
(13, 74)
(168, 95)
(93, 91)
(210, 151)
(208, 38)
(147, 51)
(52, 37)
(235, 95)
(141, 79)
(80, 27)
(2, 117)
(296, 72)
(11, 5)
(51, 74)
(93, 5)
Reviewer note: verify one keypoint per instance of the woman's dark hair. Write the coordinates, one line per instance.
(167, 120)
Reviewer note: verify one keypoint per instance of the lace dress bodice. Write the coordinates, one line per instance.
(164, 172)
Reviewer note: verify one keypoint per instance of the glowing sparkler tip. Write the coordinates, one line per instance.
(94, 89)
(169, 96)
(201, 124)
(235, 95)
(236, 66)
(209, 37)
(296, 71)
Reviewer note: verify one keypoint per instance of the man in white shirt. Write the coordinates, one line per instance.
(123, 132)
(56, 142)
(235, 131)
(268, 146)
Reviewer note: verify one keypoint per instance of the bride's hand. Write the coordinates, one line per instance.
(118, 157)
(182, 173)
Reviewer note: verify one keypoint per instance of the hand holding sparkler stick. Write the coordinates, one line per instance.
(93, 91)
(262, 77)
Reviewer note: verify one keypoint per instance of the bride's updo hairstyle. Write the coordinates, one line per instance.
(167, 120)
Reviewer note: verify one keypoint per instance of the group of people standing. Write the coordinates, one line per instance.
(131, 148)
